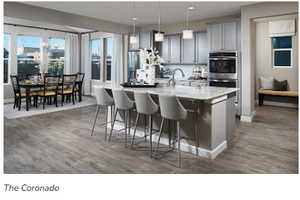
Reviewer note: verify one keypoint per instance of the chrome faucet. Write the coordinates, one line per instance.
(171, 81)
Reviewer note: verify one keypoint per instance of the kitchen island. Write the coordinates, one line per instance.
(211, 119)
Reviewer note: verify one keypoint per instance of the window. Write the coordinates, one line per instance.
(28, 55)
(282, 52)
(56, 56)
(108, 57)
(6, 49)
(96, 58)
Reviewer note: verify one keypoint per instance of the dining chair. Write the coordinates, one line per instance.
(67, 88)
(17, 91)
(50, 89)
(78, 85)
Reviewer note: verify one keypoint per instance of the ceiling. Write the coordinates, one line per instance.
(146, 12)
(11, 20)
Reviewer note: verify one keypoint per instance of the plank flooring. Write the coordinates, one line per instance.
(60, 142)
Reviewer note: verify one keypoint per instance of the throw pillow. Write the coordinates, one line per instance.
(266, 83)
(280, 85)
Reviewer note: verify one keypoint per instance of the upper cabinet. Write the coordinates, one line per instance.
(145, 40)
(223, 36)
(201, 48)
(174, 50)
(188, 51)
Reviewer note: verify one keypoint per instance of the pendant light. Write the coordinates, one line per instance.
(187, 34)
(159, 37)
(133, 38)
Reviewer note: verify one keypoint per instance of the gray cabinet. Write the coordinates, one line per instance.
(230, 36)
(215, 33)
(223, 36)
(201, 49)
(174, 50)
(145, 40)
(165, 49)
(188, 51)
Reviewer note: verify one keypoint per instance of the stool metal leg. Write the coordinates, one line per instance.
(145, 127)
(97, 112)
(125, 124)
(134, 131)
(169, 133)
(160, 132)
(106, 116)
(150, 132)
(178, 140)
(113, 123)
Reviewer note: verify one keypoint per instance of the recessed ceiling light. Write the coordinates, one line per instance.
(191, 8)
(134, 18)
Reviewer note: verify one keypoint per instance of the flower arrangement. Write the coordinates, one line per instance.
(150, 57)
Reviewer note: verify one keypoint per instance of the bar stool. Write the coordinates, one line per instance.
(172, 109)
(103, 99)
(122, 103)
(147, 107)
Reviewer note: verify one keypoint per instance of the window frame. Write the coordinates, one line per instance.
(282, 49)
(101, 36)
(8, 59)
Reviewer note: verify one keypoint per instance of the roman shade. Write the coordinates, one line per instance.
(282, 28)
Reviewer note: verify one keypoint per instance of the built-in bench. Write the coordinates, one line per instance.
(263, 93)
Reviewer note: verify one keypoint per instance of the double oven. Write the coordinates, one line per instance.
(224, 70)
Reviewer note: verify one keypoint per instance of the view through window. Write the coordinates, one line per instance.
(56, 56)
(282, 51)
(28, 55)
(96, 59)
(6, 45)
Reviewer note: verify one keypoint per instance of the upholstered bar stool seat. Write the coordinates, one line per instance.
(172, 109)
(125, 105)
(147, 107)
(103, 100)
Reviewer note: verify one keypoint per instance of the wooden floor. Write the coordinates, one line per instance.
(60, 142)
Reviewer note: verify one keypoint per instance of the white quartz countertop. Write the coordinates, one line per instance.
(197, 93)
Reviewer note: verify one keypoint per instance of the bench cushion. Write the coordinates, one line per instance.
(279, 93)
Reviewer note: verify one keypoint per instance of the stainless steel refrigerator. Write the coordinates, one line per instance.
(133, 64)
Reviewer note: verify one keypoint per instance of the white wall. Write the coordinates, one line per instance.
(248, 13)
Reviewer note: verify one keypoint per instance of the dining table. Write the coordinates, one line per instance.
(28, 85)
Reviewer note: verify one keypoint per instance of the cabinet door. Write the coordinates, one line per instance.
(145, 40)
(230, 35)
(133, 46)
(201, 48)
(188, 51)
(165, 50)
(215, 37)
(174, 48)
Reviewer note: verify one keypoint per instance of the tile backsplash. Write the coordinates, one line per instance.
(187, 69)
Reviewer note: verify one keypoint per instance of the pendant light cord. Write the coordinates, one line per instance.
(158, 17)
(187, 18)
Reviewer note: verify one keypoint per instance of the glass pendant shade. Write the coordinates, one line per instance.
(159, 37)
(133, 39)
(187, 34)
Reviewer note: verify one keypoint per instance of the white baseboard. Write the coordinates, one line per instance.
(247, 118)
(9, 100)
(184, 145)
(280, 104)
